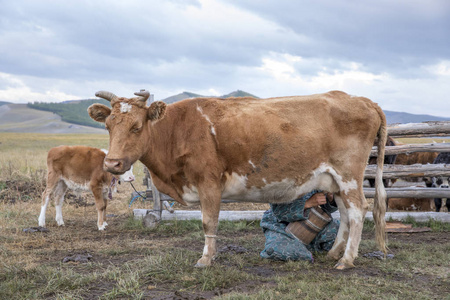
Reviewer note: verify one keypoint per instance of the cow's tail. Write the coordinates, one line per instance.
(379, 208)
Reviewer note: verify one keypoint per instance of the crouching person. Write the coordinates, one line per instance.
(294, 230)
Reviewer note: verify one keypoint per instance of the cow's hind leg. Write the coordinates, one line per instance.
(357, 208)
(342, 236)
(210, 206)
(45, 199)
(60, 191)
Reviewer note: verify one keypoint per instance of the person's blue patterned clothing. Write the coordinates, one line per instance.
(281, 245)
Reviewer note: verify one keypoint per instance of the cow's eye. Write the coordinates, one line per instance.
(135, 129)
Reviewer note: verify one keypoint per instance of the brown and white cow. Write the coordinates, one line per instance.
(79, 168)
(258, 150)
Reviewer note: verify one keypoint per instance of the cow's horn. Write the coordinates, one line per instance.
(106, 95)
(143, 95)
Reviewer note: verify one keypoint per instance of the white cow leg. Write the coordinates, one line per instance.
(342, 235)
(59, 196)
(41, 219)
(356, 215)
(58, 208)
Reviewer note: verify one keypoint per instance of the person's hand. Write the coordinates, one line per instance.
(316, 200)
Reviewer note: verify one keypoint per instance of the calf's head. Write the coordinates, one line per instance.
(440, 182)
(128, 122)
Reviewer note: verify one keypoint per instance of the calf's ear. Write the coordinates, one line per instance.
(156, 111)
(99, 112)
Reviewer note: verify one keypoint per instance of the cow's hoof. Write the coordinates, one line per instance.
(203, 263)
(333, 255)
(199, 265)
(343, 266)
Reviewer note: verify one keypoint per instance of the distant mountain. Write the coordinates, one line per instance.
(394, 117)
(181, 96)
(3, 102)
(187, 95)
(238, 93)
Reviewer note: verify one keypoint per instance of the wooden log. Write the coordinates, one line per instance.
(257, 215)
(416, 170)
(419, 129)
(408, 149)
(411, 192)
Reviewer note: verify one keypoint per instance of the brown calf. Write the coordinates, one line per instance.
(79, 168)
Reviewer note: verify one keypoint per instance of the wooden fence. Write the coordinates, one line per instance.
(416, 130)
(427, 129)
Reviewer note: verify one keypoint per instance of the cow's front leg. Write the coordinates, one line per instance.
(210, 207)
(100, 204)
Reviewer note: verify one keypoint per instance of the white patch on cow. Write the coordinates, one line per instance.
(41, 219)
(125, 107)
(253, 165)
(59, 217)
(190, 195)
(354, 213)
(103, 227)
(344, 186)
(213, 131)
(235, 187)
(205, 250)
(127, 176)
(104, 151)
(75, 186)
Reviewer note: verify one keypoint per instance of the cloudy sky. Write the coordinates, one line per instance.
(395, 52)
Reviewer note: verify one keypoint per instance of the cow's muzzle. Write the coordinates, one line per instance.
(116, 166)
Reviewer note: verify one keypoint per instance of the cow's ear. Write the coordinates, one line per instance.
(99, 112)
(156, 111)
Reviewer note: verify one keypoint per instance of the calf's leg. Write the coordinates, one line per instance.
(45, 199)
(100, 204)
(60, 191)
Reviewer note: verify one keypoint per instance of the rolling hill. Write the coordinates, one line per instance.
(21, 118)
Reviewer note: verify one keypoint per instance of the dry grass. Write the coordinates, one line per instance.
(130, 261)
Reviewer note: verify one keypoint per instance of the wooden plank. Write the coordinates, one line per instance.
(419, 129)
(257, 215)
(410, 148)
(416, 170)
(408, 230)
(411, 192)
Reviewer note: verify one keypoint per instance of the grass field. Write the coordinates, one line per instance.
(129, 261)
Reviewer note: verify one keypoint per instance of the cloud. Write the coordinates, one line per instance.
(393, 51)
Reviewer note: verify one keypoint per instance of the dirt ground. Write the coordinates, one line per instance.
(84, 239)
(80, 236)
